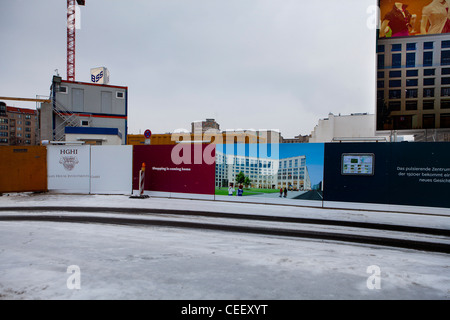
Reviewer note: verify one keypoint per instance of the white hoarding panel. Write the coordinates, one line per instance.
(68, 169)
(111, 169)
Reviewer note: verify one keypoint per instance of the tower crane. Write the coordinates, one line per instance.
(71, 37)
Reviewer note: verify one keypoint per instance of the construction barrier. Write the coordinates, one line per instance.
(23, 169)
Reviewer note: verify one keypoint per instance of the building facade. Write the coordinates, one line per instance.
(338, 128)
(264, 173)
(413, 82)
(18, 126)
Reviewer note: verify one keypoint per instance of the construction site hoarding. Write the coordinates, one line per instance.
(23, 169)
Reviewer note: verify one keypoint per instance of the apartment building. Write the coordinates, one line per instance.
(18, 126)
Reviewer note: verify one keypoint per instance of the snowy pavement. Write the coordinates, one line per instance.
(131, 262)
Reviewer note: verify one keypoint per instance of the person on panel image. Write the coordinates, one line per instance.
(435, 18)
(398, 22)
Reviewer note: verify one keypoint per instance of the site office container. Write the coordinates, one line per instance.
(23, 169)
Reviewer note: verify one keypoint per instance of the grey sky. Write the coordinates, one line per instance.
(262, 64)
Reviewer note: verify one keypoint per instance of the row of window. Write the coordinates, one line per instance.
(413, 105)
(412, 93)
(5, 140)
(412, 73)
(5, 134)
(412, 82)
(411, 59)
(413, 46)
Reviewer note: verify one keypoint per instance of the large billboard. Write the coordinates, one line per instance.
(415, 17)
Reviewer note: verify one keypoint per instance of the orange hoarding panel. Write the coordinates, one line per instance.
(23, 169)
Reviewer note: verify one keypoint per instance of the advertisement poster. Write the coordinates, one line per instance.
(414, 17)
(183, 169)
(279, 172)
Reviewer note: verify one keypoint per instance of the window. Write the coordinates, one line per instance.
(412, 73)
(120, 95)
(445, 120)
(396, 60)
(395, 105)
(410, 46)
(380, 94)
(428, 104)
(429, 72)
(397, 47)
(410, 59)
(380, 84)
(428, 121)
(412, 82)
(395, 83)
(445, 44)
(380, 74)
(3, 140)
(63, 89)
(445, 80)
(3, 134)
(445, 104)
(380, 48)
(428, 45)
(428, 92)
(445, 92)
(428, 81)
(411, 105)
(428, 59)
(395, 94)
(381, 61)
(445, 57)
(395, 74)
(411, 93)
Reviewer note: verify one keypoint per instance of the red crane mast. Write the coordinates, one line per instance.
(71, 37)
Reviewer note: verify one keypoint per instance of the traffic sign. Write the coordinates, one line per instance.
(147, 134)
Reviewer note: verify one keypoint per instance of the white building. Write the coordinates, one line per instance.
(338, 128)
(264, 173)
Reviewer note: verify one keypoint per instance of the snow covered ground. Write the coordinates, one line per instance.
(130, 262)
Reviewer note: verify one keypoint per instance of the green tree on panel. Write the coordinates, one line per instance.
(240, 178)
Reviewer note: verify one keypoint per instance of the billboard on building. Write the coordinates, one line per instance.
(413, 67)
(414, 17)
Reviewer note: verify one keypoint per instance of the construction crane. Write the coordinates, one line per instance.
(71, 37)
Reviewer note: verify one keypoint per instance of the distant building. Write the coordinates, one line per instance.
(202, 126)
(297, 139)
(18, 126)
(356, 127)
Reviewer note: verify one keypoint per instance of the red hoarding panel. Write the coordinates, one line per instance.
(180, 168)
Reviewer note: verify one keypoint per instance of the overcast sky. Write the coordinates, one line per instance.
(262, 64)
